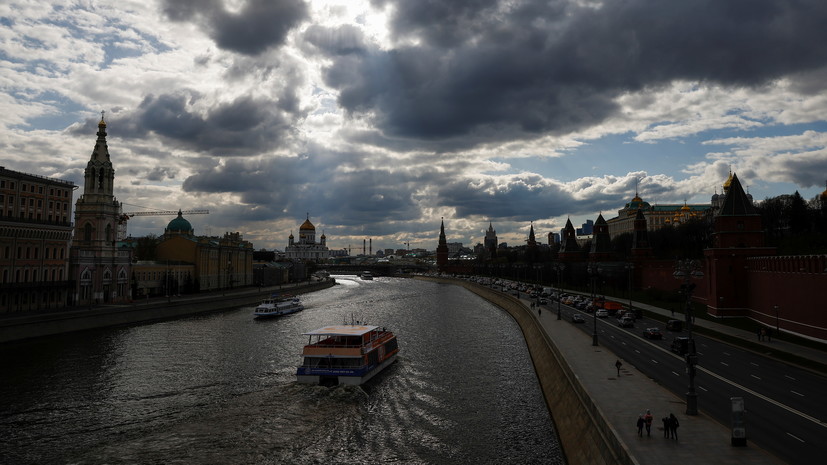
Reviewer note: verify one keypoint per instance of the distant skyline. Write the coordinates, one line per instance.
(380, 117)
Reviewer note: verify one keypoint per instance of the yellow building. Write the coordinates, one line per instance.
(217, 262)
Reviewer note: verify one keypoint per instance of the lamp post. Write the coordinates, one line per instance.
(685, 270)
(776, 319)
(560, 268)
(593, 272)
(630, 267)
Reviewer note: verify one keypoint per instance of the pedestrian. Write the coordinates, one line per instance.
(673, 426)
(648, 419)
(618, 365)
(539, 311)
(763, 333)
(640, 423)
(758, 331)
(666, 427)
(769, 334)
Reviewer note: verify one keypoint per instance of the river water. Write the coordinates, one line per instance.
(220, 388)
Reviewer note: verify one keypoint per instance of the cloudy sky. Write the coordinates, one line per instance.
(379, 117)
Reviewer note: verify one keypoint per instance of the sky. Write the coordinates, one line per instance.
(379, 118)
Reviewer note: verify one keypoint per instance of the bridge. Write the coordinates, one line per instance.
(377, 269)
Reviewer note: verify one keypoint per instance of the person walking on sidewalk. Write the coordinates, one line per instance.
(666, 427)
(648, 419)
(618, 365)
(673, 426)
(640, 423)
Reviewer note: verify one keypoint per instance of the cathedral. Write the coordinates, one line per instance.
(306, 248)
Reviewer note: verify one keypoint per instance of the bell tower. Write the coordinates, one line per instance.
(101, 271)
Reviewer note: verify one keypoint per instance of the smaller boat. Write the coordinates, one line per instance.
(278, 305)
(346, 354)
(367, 275)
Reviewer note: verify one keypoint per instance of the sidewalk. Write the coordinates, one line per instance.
(621, 399)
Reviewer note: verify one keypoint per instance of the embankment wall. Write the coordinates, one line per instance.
(47, 324)
(585, 436)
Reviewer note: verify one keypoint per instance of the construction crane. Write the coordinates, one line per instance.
(125, 216)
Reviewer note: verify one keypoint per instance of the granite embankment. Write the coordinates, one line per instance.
(14, 328)
(585, 436)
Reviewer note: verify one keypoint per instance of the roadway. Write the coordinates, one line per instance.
(785, 409)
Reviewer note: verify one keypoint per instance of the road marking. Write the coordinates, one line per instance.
(765, 398)
(637, 351)
(795, 437)
(798, 393)
(654, 360)
(675, 373)
(753, 364)
(724, 364)
(725, 353)
(703, 389)
(759, 379)
(789, 377)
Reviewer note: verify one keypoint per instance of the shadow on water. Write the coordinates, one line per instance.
(221, 388)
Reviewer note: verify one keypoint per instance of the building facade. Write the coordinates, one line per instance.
(100, 270)
(214, 262)
(35, 235)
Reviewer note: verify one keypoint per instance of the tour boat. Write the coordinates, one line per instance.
(367, 275)
(278, 305)
(346, 354)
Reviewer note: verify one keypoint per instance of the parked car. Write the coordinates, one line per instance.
(652, 333)
(601, 313)
(626, 322)
(674, 325)
(577, 318)
(680, 345)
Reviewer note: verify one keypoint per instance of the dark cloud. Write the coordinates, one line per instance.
(257, 26)
(486, 70)
(337, 186)
(240, 127)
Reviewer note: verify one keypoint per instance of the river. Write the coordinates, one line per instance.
(220, 388)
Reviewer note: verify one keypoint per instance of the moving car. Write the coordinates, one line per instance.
(626, 322)
(602, 313)
(652, 333)
(576, 318)
(674, 325)
(680, 345)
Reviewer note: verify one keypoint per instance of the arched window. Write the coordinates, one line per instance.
(87, 233)
(100, 178)
(108, 233)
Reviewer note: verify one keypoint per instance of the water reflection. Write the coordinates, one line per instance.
(221, 388)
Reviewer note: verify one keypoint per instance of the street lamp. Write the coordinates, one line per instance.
(560, 267)
(593, 272)
(630, 267)
(776, 320)
(685, 270)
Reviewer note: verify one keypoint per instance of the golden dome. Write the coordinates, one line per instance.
(307, 225)
(728, 181)
(685, 207)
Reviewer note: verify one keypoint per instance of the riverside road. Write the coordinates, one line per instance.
(785, 403)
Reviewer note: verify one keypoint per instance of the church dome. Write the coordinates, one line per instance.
(179, 224)
(307, 225)
(728, 182)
